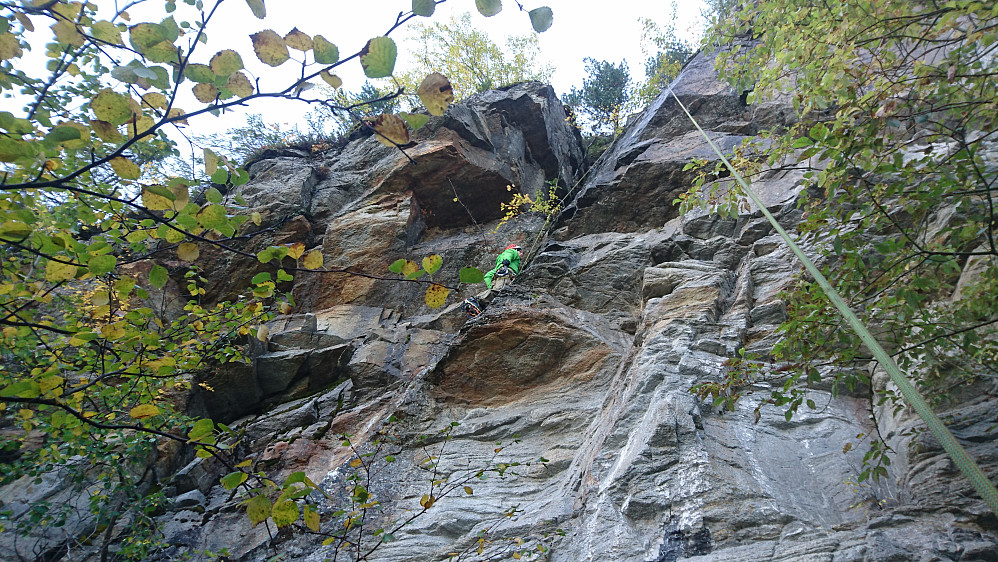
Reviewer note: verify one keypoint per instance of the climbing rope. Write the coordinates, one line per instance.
(966, 464)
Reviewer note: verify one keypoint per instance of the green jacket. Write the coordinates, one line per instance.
(514, 264)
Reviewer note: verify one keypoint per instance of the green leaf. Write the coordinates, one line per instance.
(221, 176)
(488, 8)
(541, 18)
(802, 142)
(201, 73)
(62, 134)
(158, 276)
(202, 428)
(212, 216)
(423, 8)
(107, 32)
(100, 265)
(213, 195)
(258, 8)
(285, 513)
(261, 277)
(471, 275)
(233, 479)
(414, 120)
(258, 509)
(294, 478)
(272, 253)
(22, 389)
(378, 57)
(396, 266)
(324, 51)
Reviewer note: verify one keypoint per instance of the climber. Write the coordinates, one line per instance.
(506, 269)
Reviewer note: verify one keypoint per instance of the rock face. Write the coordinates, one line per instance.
(581, 369)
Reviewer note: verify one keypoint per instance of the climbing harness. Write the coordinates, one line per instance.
(503, 276)
(914, 398)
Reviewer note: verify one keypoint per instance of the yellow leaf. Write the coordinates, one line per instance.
(516, 555)
(427, 501)
(286, 308)
(57, 271)
(409, 268)
(224, 63)
(436, 93)
(355, 463)
(311, 517)
(205, 93)
(143, 411)
(188, 251)
(262, 332)
(296, 250)
(65, 32)
(155, 202)
(270, 48)
(111, 106)
(24, 21)
(106, 131)
(432, 263)
(125, 168)
(155, 99)
(239, 85)
(10, 46)
(313, 259)
(210, 161)
(331, 79)
(50, 383)
(468, 490)
(436, 296)
(391, 130)
(9, 332)
(175, 113)
(298, 40)
(256, 218)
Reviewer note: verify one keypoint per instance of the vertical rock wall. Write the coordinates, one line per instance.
(581, 369)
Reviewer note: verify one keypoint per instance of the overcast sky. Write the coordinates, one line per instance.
(605, 30)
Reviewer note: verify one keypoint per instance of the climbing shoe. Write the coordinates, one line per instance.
(472, 306)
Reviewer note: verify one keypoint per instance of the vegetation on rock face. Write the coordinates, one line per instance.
(897, 134)
(95, 368)
(471, 60)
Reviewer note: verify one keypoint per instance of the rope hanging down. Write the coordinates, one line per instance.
(967, 465)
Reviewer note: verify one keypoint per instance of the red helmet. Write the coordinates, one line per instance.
(514, 247)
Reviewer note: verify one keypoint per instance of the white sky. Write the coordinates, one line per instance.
(603, 29)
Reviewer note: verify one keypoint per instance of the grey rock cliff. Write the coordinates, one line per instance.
(585, 362)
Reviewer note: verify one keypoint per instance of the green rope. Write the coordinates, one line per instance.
(967, 465)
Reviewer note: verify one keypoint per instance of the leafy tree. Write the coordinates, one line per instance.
(603, 98)
(666, 56)
(897, 130)
(91, 359)
(471, 60)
